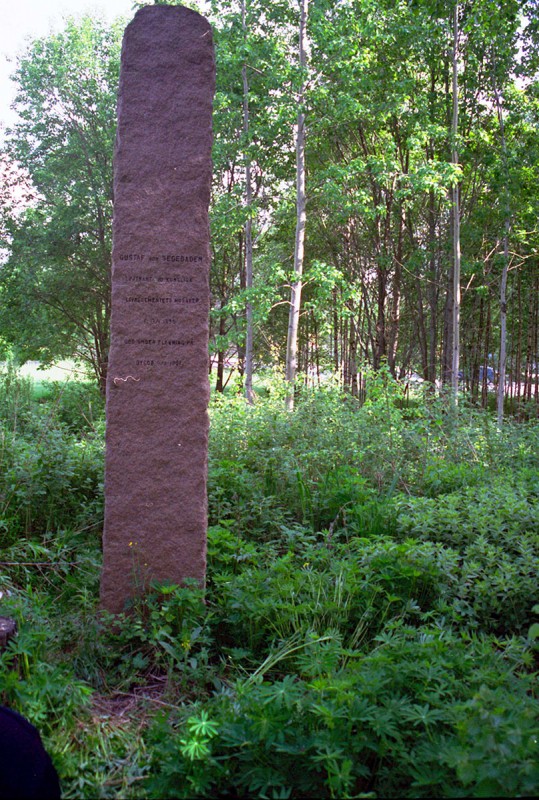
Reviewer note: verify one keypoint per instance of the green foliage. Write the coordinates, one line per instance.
(496, 529)
(167, 631)
(76, 406)
(336, 463)
(483, 762)
(49, 481)
(368, 627)
(110, 760)
(51, 458)
(48, 693)
(15, 396)
(323, 587)
(395, 721)
(55, 283)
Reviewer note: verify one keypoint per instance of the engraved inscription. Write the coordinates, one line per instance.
(153, 299)
(170, 342)
(154, 328)
(151, 362)
(167, 258)
(160, 321)
(159, 279)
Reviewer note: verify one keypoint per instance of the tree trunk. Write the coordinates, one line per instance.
(529, 352)
(353, 357)
(393, 337)
(503, 281)
(295, 294)
(484, 386)
(456, 218)
(433, 271)
(248, 389)
(335, 333)
(518, 360)
(432, 292)
(447, 342)
(380, 350)
(220, 383)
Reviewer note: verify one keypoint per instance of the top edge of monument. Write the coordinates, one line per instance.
(163, 10)
(156, 34)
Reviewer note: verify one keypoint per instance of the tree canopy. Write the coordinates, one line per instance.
(377, 99)
(56, 282)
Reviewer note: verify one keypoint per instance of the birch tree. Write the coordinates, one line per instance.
(248, 386)
(301, 215)
(456, 214)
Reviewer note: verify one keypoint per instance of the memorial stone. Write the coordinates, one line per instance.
(157, 386)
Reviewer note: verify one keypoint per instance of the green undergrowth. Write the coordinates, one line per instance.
(368, 627)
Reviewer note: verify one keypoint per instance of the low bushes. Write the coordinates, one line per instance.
(372, 577)
(495, 528)
(426, 713)
(348, 589)
(51, 460)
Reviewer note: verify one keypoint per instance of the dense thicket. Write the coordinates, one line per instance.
(376, 92)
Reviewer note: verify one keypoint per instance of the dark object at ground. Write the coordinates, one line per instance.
(26, 770)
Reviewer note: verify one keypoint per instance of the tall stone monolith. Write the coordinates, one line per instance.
(157, 386)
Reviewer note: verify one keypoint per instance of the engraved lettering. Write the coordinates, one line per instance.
(149, 300)
(176, 342)
(159, 321)
(182, 259)
(159, 278)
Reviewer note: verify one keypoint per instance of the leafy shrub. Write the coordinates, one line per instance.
(165, 634)
(316, 467)
(336, 463)
(392, 721)
(228, 551)
(497, 589)
(16, 399)
(50, 474)
(501, 511)
(347, 588)
(52, 480)
(492, 753)
(44, 691)
(366, 566)
(77, 406)
(496, 529)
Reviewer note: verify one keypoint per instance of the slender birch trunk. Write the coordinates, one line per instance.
(295, 293)
(432, 295)
(456, 217)
(502, 367)
(248, 386)
(503, 325)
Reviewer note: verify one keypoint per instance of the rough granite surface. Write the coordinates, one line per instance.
(157, 390)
